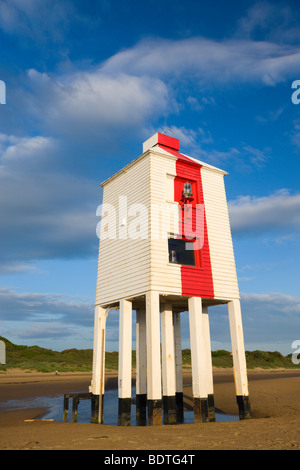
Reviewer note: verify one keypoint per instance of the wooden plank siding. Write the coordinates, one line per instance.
(165, 278)
(124, 265)
(219, 235)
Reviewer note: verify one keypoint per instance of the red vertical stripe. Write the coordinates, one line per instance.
(196, 281)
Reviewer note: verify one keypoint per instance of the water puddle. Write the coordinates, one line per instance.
(55, 409)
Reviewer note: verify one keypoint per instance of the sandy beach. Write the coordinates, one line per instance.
(275, 425)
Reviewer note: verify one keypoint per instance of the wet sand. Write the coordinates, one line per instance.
(275, 424)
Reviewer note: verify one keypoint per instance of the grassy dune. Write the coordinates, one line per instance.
(46, 360)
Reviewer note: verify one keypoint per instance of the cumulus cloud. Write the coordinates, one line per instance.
(137, 86)
(85, 105)
(271, 319)
(46, 319)
(209, 61)
(47, 213)
(30, 306)
(271, 322)
(276, 212)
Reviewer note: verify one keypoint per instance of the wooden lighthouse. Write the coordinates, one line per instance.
(166, 248)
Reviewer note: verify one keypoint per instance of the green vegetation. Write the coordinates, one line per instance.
(80, 360)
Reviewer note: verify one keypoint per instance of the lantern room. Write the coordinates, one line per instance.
(166, 248)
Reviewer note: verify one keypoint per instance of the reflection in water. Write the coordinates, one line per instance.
(55, 409)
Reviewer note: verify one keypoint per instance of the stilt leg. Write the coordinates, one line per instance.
(66, 408)
(124, 379)
(141, 368)
(178, 368)
(168, 365)
(209, 372)
(198, 360)
(98, 378)
(239, 359)
(154, 401)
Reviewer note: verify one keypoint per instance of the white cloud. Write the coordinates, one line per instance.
(276, 21)
(51, 320)
(94, 105)
(43, 307)
(279, 211)
(209, 61)
(47, 213)
(271, 321)
(24, 150)
(139, 85)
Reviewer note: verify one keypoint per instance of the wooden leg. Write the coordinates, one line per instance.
(141, 368)
(168, 365)
(125, 351)
(178, 368)
(154, 398)
(239, 359)
(198, 360)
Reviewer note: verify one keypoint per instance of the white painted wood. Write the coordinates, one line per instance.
(125, 348)
(150, 142)
(197, 348)
(164, 219)
(120, 259)
(141, 352)
(153, 346)
(178, 351)
(168, 351)
(170, 188)
(97, 383)
(207, 346)
(238, 348)
(219, 235)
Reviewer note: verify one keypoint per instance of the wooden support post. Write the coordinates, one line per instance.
(95, 409)
(141, 368)
(98, 378)
(178, 368)
(125, 351)
(75, 408)
(66, 407)
(239, 359)
(198, 360)
(168, 365)
(154, 401)
(209, 371)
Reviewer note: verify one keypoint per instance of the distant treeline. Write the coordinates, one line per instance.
(46, 360)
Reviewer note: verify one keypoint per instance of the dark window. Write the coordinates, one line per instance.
(178, 253)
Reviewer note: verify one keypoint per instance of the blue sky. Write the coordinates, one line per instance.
(86, 84)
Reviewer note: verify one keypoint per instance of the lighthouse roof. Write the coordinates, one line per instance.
(166, 146)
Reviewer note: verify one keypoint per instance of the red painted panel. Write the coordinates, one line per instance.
(196, 281)
(168, 141)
